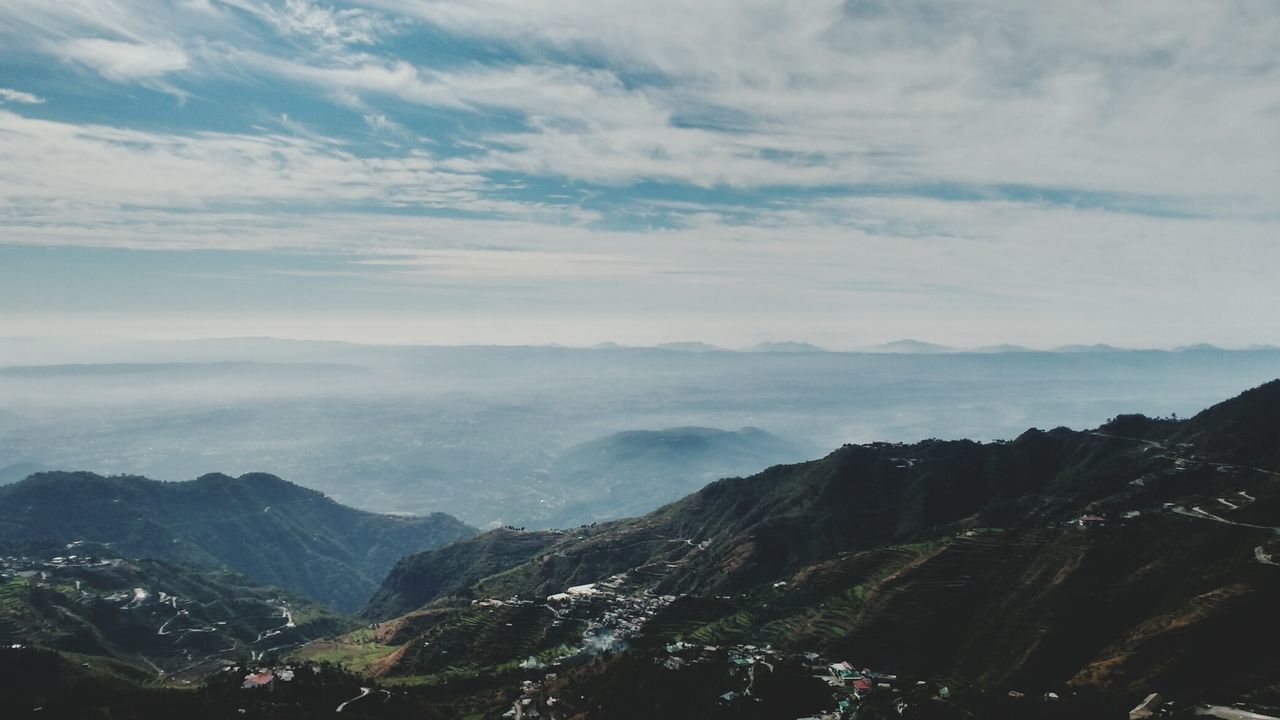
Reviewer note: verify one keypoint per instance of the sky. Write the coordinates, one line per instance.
(576, 171)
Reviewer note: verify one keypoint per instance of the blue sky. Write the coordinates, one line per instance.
(570, 171)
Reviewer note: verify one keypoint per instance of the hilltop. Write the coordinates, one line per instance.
(909, 346)
(631, 472)
(266, 528)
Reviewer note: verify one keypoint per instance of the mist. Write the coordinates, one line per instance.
(481, 432)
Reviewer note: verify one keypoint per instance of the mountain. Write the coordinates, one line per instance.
(1003, 348)
(1063, 574)
(631, 472)
(90, 634)
(909, 347)
(690, 346)
(784, 347)
(1062, 561)
(266, 528)
(1244, 430)
(146, 617)
(1096, 348)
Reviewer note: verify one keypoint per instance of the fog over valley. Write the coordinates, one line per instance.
(540, 436)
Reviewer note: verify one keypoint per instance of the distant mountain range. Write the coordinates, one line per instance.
(914, 347)
(689, 347)
(265, 528)
(919, 347)
(785, 347)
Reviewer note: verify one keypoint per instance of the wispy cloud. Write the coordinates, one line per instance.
(124, 61)
(52, 163)
(328, 27)
(17, 96)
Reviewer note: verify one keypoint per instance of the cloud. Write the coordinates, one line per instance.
(124, 61)
(17, 96)
(1085, 96)
(329, 28)
(822, 157)
(49, 164)
(750, 94)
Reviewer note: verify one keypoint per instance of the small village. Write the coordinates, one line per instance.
(35, 568)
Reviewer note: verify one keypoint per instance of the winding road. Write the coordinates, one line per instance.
(364, 692)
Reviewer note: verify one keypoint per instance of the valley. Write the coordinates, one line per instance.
(608, 360)
(545, 437)
(1058, 574)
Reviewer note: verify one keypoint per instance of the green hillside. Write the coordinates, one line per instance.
(955, 560)
(149, 619)
(270, 530)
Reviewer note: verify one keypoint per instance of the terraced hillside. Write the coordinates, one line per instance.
(150, 619)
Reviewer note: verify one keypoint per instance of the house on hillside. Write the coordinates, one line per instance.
(1092, 521)
(255, 681)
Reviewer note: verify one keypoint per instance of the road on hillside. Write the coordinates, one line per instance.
(364, 691)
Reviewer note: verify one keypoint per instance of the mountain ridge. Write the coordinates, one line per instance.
(955, 559)
(267, 528)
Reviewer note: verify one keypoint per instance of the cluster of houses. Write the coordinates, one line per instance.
(611, 618)
(680, 654)
(265, 678)
(849, 684)
(42, 569)
(528, 705)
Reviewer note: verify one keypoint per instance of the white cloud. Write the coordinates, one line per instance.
(124, 61)
(52, 164)
(17, 96)
(329, 27)
(913, 127)
(1142, 99)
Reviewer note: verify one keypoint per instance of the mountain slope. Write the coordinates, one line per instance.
(953, 559)
(153, 617)
(270, 530)
(1244, 429)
